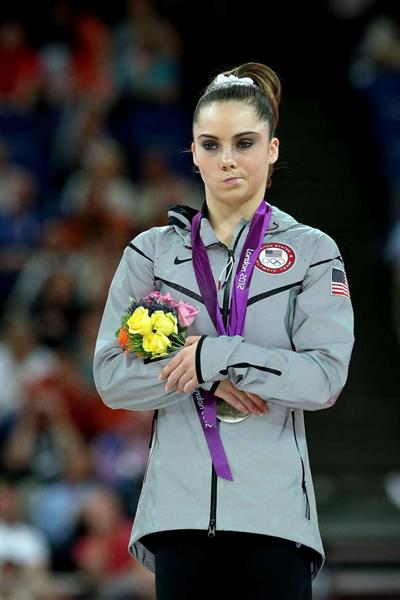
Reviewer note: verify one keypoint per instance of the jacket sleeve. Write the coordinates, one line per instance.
(312, 374)
(122, 379)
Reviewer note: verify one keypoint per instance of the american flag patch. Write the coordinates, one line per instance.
(339, 284)
(273, 252)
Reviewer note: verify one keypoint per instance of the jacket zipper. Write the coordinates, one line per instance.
(152, 434)
(225, 307)
(303, 475)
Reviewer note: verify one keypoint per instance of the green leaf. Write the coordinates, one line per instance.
(176, 338)
(125, 317)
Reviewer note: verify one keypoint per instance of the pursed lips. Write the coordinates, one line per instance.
(231, 179)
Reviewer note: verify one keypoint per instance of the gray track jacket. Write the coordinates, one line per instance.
(294, 353)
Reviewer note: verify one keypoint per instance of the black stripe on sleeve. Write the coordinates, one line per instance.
(272, 292)
(214, 386)
(148, 360)
(180, 288)
(321, 262)
(139, 251)
(249, 365)
(199, 374)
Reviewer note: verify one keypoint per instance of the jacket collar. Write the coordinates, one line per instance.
(180, 216)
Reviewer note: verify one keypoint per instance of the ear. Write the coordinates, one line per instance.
(273, 150)
(193, 149)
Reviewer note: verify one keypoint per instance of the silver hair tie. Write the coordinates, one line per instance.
(226, 80)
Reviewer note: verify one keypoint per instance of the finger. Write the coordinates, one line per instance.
(182, 381)
(170, 366)
(247, 397)
(253, 396)
(235, 400)
(259, 402)
(256, 399)
(192, 339)
(241, 407)
(174, 378)
(248, 402)
(190, 385)
(244, 398)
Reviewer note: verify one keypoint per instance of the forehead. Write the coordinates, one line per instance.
(228, 117)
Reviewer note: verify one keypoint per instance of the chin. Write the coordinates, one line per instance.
(232, 197)
(239, 192)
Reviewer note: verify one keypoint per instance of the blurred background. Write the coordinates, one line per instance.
(96, 104)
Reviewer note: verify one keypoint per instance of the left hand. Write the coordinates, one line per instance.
(180, 371)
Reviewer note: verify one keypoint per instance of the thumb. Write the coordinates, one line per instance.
(192, 339)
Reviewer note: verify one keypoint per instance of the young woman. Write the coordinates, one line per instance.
(232, 503)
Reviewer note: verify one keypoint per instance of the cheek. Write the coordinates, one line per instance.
(206, 163)
(257, 164)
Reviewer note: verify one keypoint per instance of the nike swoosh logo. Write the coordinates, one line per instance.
(178, 261)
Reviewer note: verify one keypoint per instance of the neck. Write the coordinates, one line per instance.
(224, 217)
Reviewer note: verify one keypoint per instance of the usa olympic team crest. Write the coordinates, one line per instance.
(275, 258)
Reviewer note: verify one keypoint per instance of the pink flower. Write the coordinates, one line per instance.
(155, 295)
(186, 313)
(167, 299)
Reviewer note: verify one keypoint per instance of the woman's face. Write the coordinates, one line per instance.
(232, 150)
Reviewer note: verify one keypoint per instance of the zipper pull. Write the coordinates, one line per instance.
(211, 528)
(308, 515)
(229, 265)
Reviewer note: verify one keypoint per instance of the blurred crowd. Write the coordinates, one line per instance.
(93, 140)
(374, 72)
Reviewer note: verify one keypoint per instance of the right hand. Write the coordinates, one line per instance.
(245, 402)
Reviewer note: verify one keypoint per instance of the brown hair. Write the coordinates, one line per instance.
(265, 96)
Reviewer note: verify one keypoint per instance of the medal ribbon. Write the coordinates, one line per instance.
(205, 401)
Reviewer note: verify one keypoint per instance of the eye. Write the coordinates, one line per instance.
(245, 143)
(209, 145)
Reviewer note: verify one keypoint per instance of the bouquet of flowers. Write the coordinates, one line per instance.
(154, 325)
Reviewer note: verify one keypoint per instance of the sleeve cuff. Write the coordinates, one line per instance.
(210, 386)
(197, 360)
(213, 354)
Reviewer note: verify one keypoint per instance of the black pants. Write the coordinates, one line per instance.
(240, 566)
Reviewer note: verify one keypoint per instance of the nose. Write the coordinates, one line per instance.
(227, 160)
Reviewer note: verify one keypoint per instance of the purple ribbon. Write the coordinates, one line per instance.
(205, 401)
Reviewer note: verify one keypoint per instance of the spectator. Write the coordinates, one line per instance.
(55, 506)
(100, 190)
(81, 123)
(24, 551)
(23, 362)
(91, 58)
(43, 438)
(57, 76)
(6, 174)
(375, 74)
(68, 260)
(80, 396)
(148, 52)
(20, 225)
(161, 186)
(20, 67)
(120, 455)
(101, 551)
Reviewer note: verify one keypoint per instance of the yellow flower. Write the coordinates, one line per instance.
(166, 323)
(156, 343)
(139, 321)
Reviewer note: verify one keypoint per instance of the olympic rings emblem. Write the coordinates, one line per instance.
(275, 258)
(274, 261)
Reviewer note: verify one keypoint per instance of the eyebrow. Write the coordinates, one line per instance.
(235, 136)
